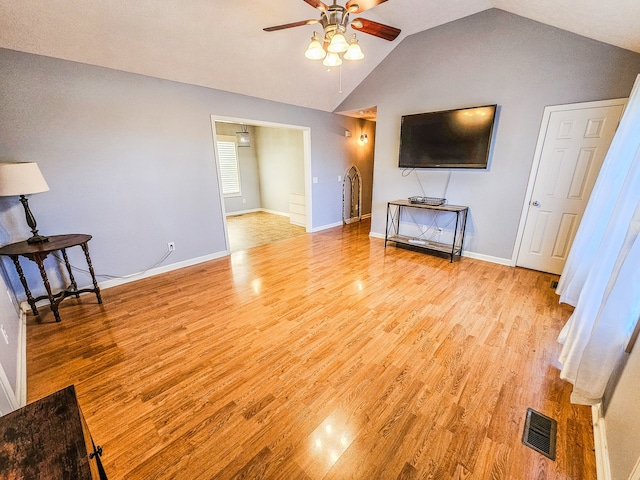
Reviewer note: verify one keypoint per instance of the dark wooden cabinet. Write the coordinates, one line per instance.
(49, 439)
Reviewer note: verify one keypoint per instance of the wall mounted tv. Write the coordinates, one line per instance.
(447, 139)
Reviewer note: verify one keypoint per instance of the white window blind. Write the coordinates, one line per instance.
(229, 168)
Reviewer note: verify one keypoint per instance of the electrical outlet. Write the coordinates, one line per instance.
(172, 246)
(423, 228)
(339, 178)
(4, 334)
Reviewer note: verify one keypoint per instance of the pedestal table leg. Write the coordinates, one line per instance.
(23, 280)
(85, 249)
(45, 280)
(74, 285)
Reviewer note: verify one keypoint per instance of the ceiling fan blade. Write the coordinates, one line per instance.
(291, 25)
(361, 4)
(374, 28)
(319, 5)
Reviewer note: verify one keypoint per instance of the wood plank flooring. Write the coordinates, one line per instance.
(323, 356)
(259, 228)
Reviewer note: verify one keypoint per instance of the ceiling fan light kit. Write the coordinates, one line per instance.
(335, 20)
(332, 60)
(354, 52)
(315, 50)
(338, 43)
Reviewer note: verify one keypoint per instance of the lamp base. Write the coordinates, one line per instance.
(37, 239)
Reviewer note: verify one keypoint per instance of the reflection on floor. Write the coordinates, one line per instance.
(258, 228)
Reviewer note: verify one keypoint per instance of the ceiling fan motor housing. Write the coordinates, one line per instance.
(334, 19)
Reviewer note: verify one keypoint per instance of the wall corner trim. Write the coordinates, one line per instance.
(603, 469)
(635, 474)
(21, 374)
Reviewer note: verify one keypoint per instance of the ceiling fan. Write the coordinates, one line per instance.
(335, 20)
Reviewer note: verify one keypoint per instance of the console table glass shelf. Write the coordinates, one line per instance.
(403, 229)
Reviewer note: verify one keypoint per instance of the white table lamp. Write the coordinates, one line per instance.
(20, 179)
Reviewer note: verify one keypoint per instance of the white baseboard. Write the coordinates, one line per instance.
(488, 258)
(325, 227)
(21, 364)
(242, 212)
(477, 256)
(282, 214)
(366, 215)
(149, 273)
(254, 210)
(166, 268)
(603, 469)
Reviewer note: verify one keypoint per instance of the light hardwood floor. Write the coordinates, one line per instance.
(258, 228)
(320, 356)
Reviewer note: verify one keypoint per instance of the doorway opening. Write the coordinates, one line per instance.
(352, 196)
(357, 182)
(263, 170)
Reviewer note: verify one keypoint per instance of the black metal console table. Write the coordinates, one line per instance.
(398, 210)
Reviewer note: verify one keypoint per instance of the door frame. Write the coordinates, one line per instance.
(542, 134)
(306, 142)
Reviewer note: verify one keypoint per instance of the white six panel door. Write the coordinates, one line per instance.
(575, 144)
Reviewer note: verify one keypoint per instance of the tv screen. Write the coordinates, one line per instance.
(447, 139)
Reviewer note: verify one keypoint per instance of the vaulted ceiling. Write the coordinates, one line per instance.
(221, 43)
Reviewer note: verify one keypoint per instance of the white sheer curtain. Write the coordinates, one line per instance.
(602, 275)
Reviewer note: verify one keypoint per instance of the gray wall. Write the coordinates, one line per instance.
(249, 171)
(490, 57)
(281, 163)
(129, 159)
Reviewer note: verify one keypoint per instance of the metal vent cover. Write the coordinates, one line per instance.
(540, 433)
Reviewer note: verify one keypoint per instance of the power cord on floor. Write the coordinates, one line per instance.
(106, 275)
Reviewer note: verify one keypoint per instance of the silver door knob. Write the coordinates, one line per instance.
(536, 203)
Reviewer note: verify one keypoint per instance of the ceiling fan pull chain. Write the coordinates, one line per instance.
(340, 76)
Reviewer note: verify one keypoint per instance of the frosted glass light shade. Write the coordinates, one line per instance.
(338, 44)
(21, 179)
(243, 139)
(315, 50)
(332, 60)
(354, 52)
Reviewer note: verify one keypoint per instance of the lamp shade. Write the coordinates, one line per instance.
(21, 179)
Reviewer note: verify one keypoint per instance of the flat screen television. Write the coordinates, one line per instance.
(447, 139)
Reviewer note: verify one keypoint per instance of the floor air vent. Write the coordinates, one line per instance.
(540, 433)
(554, 284)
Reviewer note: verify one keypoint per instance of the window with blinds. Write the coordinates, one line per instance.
(229, 167)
